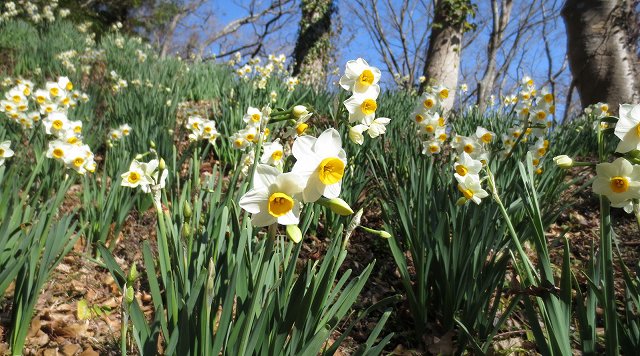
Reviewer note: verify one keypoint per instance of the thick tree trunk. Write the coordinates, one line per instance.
(312, 53)
(442, 63)
(601, 53)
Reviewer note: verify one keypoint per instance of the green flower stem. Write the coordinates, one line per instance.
(512, 232)
(123, 328)
(163, 246)
(606, 255)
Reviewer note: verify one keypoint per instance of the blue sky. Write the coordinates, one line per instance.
(355, 42)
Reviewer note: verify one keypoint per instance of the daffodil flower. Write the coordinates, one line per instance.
(470, 145)
(321, 162)
(471, 189)
(377, 126)
(136, 175)
(80, 159)
(273, 153)
(5, 151)
(355, 133)
(485, 136)
(359, 77)
(275, 197)
(431, 147)
(362, 106)
(619, 181)
(253, 117)
(466, 166)
(55, 123)
(628, 128)
(58, 149)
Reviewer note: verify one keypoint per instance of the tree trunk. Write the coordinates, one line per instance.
(442, 63)
(312, 53)
(501, 15)
(601, 52)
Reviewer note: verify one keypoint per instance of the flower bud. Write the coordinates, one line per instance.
(139, 157)
(129, 295)
(133, 274)
(294, 233)
(187, 212)
(152, 144)
(300, 110)
(186, 230)
(355, 134)
(162, 165)
(336, 205)
(563, 161)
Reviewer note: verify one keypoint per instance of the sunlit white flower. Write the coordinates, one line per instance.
(136, 175)
(55, 123)
(431, 147)
(274, 198)
(470, 187)
(359, 77)
(628, 128)
(80, 159)
(377, 126)
(321, 162)
(484, 135)
(253, 117)
(355, 133)
(466, 166)
(429, 101)
(5, 151)
(362, 106)
(209, 131)
(125, 129)
(273, 153)
(470, 145)
(619, 181)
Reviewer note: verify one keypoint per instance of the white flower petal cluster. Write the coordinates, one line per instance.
(54, 101)
(277, 197)
(431, 125)
(473, 155)
(201, 129)
(256, 121)
(619, 181)
(362, 80)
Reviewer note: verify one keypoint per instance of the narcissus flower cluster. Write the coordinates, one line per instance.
(534, 109)
(256, 121)
(277, 197)
(432, 128)
(54, 102)
(201, 129)
(150, 177)
(362, 80)
(472, 155)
